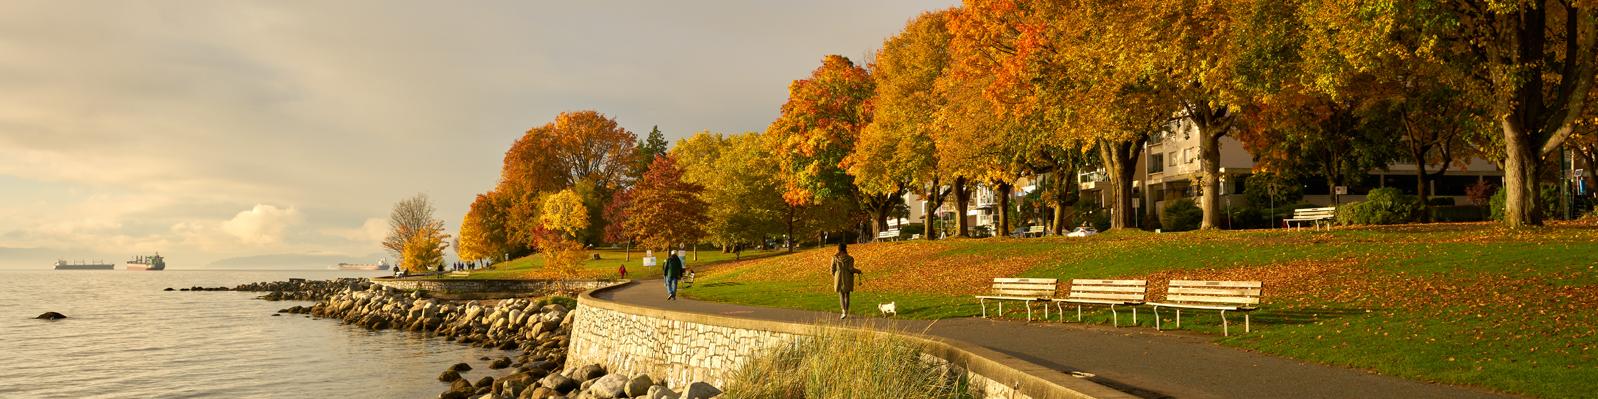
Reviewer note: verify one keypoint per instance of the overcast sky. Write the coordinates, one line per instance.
(209, 130)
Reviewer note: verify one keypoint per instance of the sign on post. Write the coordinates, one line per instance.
(1340, 190)
(649, 261)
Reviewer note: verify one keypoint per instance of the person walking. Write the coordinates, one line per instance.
(672, 272)
(843, 272)
(622, 271)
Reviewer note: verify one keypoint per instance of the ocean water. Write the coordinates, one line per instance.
(126, 338)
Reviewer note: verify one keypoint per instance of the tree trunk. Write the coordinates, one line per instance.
(1120, 160)
(790, 238)
(1003, 189)
(1520, 179)
(935, 197)
(1210, 177)
(962, 199)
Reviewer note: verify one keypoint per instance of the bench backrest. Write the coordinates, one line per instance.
(1029, 287)
(1035, 229)
(1306, 213)
(1244, 294)
(1131, 291)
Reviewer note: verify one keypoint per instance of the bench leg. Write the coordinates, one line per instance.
(1001, 309)
(1245, 323)
(1224, 331)
(1028, 311)
(1115, 317)
(1156, 318)
(1079, 313)
(1134, 315)
(1178, 317)
(1060, 310)
(984, 304)
(1045, 311)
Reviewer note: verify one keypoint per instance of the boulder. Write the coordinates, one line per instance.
(609, 387)
(700, 390)
(503, 362)
(485, 382)
(461, 367)
(458, 389)
(660, 392)
(558, 383)
(449, 376)
(589, 372)
(169, 289)
(537, 393)
(639, 386)
(51, 316)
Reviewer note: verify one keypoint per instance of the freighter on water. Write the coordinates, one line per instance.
(380, 265)
(81, 265)
(152, 263)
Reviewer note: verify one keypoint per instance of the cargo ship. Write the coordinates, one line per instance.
(81, 265)
(151, 263)
(380, 265)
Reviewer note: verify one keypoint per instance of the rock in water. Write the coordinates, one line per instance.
(169, 289)
(639, 386)
(537, 393)
(51, 316)
(449, 376)
(461, 367)
(700, 390)
(487, 381)
(609, 387)
(503, 362)
(458, 389)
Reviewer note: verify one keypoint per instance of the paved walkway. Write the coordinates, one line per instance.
(1140, 361)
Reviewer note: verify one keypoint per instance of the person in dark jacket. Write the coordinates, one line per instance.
(843, 272)
(673, 272)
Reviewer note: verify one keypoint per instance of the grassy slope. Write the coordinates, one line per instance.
(1457, 303)
(606, 267)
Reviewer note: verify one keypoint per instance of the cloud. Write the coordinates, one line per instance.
(370, 232)
(261, 225)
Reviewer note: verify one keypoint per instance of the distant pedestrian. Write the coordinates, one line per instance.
(672, 272)
(843, 272)
(622, 271)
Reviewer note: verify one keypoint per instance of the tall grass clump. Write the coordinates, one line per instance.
(846, 364)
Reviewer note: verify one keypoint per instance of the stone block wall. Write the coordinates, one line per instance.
(680, 348)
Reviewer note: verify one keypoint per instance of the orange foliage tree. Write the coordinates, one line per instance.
(817, 128)
(585, 150)
(662, 209)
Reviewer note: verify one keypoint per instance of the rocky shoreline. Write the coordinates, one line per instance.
(539, 329)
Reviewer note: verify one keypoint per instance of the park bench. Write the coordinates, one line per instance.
(1225, 296)
(1105, 292)
(1036, 231)
(1026, 290)
(1315, 216)
(888, 234)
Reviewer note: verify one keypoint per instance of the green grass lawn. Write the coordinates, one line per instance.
(1468, 304)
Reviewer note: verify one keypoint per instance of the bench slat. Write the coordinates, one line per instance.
(1206, 283)
(1108, 288)
(1013, 298)
(1101, 301)
(1049, 287)
(1025, 292)
(1109, 282)
(1215, 291)
(1025, 280)
(1094, 295)
(1205, 307)
(1212, 299)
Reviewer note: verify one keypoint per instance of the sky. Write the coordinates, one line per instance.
(216, 130)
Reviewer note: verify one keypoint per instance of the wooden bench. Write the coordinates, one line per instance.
(1105, 292)
(1035, 231)
(1027, 290)
(1225, 296)
(888, 234)
(1315, 216)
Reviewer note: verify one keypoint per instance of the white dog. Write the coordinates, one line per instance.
(888, 309)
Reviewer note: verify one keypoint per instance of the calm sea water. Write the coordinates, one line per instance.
(126, 338)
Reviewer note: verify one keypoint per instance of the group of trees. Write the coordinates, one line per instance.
(995, 91)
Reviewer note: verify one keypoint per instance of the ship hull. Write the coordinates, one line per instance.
(133, 267)
(85, 267)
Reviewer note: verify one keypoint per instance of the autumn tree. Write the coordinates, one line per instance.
(896, 153)
(483, 230)
(664, 210)
(819, 126)
(1300, 132)
(741, 188)
(1533, 59)
(654, 145)
(415, 235)
(585, 150)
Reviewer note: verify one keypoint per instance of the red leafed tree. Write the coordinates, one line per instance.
(664, 210)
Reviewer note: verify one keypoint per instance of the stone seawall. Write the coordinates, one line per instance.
(681, 347)
(489, 289)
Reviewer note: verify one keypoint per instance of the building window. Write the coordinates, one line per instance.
(1187, 155)
(1171, 158)
(1156, 163)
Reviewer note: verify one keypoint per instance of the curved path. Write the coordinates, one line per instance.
(1135, 360)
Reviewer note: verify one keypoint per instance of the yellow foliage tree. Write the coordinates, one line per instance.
(425, 248)
(565, 213)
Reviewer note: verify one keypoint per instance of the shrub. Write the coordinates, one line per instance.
(845, 364)
(1547, 202)
(1262, 217)
(910, 229)
(1458, 213)
(1381, 206)
(1182, 215)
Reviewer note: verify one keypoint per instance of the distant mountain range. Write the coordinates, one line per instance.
(291, 261)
